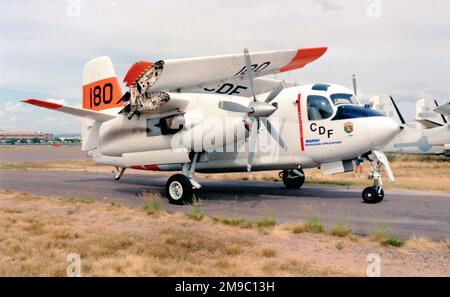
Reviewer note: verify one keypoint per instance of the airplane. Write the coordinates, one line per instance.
(430, 135)
(218, 114)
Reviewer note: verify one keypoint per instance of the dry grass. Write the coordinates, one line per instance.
(381, 234)
(410, 173)
(37, 234)
(195, 211)
(340, 229)
(421, 243)
(313, 225)
(52, 165)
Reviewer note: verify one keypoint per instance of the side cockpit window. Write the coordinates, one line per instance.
(319, 108)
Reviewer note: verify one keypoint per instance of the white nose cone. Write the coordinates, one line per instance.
(381, 131)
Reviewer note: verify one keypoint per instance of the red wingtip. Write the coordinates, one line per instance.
(303, 57)
(42, 103)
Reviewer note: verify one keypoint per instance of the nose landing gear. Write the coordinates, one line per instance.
(293, 178)
(375, 193)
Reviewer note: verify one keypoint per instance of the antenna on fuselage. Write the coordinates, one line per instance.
(355, 90)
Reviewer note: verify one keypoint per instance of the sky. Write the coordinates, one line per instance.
(395, 47)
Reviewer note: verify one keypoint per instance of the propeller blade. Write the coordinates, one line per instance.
(252, 144)
(355, 89)
(248, 65)
(234, 107)
(275, 92)
(274, 133)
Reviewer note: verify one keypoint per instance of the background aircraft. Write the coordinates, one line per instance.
(215, 114)
(429, 135)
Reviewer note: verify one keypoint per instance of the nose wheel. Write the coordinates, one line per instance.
(293, 178)
(372, 194)
(375, 193)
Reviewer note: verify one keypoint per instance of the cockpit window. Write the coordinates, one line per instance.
(341, 98)
(319, 108)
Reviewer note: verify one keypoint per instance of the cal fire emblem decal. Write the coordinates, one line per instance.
(348, 127)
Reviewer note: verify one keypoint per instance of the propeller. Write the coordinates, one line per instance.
(255, 111)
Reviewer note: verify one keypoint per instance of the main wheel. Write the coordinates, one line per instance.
(179, 189)
(371, 195)
(292, 180)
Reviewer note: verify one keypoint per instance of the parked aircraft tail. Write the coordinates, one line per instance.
(426, 116)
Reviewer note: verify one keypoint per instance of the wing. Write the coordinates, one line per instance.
(198, 73)
(76, 111)
(238, 87)
(428, 124)
(386, 105)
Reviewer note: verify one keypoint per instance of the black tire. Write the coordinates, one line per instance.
(370, 195)
(293, 182)
(180, 184)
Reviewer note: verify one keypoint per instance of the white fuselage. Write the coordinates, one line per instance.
(310, 142)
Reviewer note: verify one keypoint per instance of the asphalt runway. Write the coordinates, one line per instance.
(404, 212)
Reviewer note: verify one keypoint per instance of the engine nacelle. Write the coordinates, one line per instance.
(210, 133)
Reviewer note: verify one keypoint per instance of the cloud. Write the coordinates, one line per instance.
(43, 50)
(15, 107)
(328, 5)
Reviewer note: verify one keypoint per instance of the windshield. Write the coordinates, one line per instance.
(340, 98)
(355, 111)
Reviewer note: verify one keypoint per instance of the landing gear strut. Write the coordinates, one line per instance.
(180, 187)
(293, 178)
(375, 193)
(120, 172)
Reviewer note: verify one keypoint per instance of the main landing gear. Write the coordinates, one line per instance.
(375, 193)
(293, 178)
(180, 187)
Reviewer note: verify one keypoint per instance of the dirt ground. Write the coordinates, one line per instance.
(37, 234)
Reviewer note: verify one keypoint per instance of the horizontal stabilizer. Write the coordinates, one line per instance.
(76, 111)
